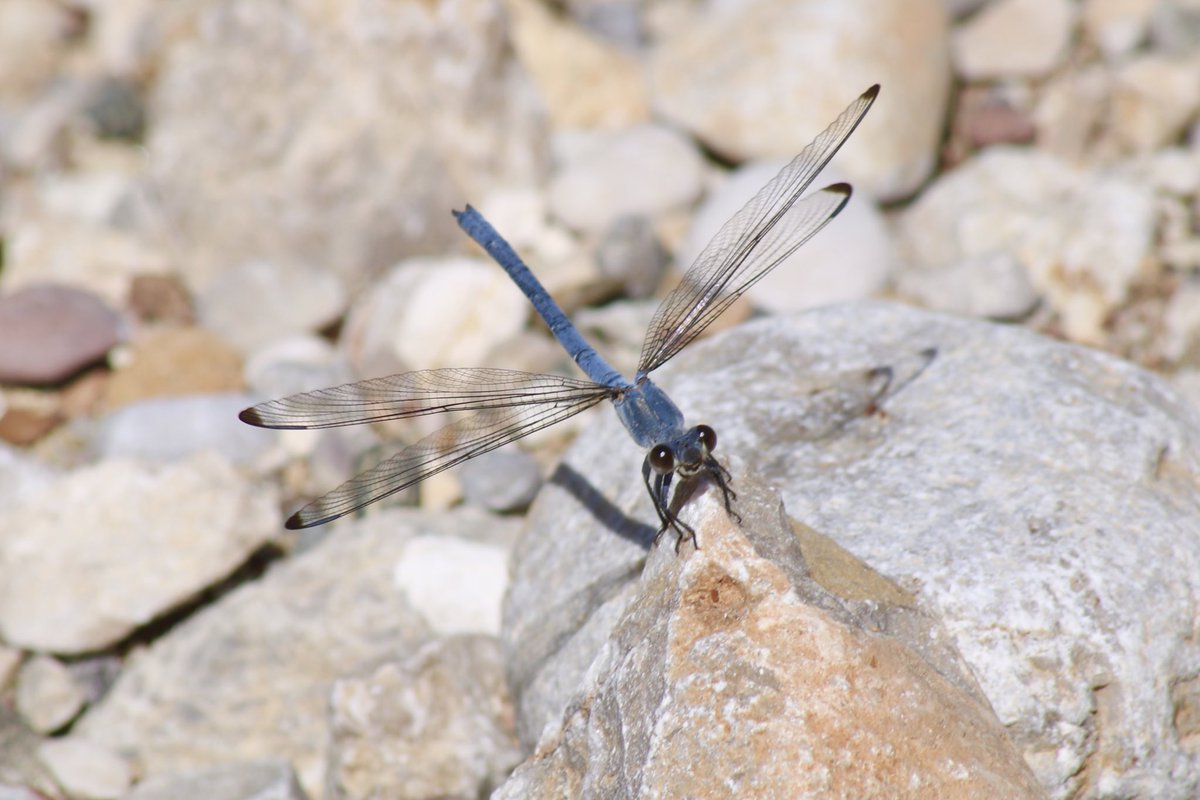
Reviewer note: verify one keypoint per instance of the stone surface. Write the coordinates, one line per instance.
(430, 565)
(438, 724)
(10, 661)
(733, 672)
(20, 768)
(175, 361)
(848, 260)
(994, 286)
(367, 124)
(110, 547)
(646, 170)
(1014, 38)
(33, 46)
(255, 303)
(249, 677)
(503, 481)
(630, 252)
(430, 313)
(1153, 100)
(1117, 26)
(1081, 236)
(561, 58)
(758, 80)
(47, 696)
(86, 770)
(269, 779)
(22, 476)
(171, 428)
(1039, 498)
(47, 333)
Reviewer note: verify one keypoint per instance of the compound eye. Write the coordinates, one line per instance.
(662, 460)
(708, 437)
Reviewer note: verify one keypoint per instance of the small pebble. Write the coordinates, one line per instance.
(48, 696)
(501, 481)
(48, 333)
(86, 770)
(630, 252)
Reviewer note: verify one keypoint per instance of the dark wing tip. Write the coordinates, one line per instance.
(843, 189)
(872, 93)
(250, 416)
(295, 522)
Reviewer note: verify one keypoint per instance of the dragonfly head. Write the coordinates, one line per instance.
(687, 455)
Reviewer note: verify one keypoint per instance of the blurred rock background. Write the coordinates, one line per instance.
(206, 203)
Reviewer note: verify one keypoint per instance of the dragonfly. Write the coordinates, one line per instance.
(506, 405)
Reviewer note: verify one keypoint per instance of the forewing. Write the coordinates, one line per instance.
(453, 444)
(753, 242)
(415, 394)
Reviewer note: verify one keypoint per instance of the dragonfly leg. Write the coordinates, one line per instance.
(660, 492)
(722, 478)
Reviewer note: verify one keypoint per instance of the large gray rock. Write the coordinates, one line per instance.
(1040, 499)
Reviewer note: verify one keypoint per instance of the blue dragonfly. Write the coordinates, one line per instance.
(507, 405)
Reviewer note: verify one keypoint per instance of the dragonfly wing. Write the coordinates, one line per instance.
(765, 231)
(461, 440)
(415, 394)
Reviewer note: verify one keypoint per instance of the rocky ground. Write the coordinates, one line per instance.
(968, 574)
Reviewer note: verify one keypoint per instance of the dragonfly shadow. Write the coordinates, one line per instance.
(601, 508)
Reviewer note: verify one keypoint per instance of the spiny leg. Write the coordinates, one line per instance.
(660, 496)
(722, 478)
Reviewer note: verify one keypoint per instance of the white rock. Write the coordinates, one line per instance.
(1117, 26)
(760, 79)
(48, 696)
(1154, 98)
(258, 302)
(995, 286)
(1081, 236)
(645, 170)
(1014, 38)
(848, 260)
(1181, 323)
(433, 312)
(109, 547)
(86, 770)
(1074, 104)
(430, 566)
